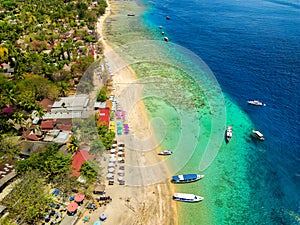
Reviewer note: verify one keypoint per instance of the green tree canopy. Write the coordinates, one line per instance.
(102, 95)
(51, 163)
(89, 170)
(29, 199)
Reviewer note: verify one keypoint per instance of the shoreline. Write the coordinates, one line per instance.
(139, 205)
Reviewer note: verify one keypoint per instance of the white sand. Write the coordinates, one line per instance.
(142, 200)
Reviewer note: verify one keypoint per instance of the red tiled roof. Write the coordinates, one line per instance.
(79, 158)
(32, 137)
(46, 104)
(66, 127)
(47, 125)
(104, 116)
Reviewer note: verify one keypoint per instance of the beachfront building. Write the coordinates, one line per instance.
(104, 116)
(75, 106)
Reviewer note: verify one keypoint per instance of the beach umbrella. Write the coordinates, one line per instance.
(120, 159)
(86, 219)
(120, 179)
(114, 145)
(72, 207)
(121, 172)
(109, 176)
(103, 216)
(111, 170)
(112, 160)
(111, 165)
(79, 197)
(97, 223)
(113, 150)
(120, 153)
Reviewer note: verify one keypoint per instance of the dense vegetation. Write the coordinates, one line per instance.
(45, 48)
(44, 43)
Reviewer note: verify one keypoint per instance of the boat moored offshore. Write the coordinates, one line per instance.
(184, 197)
(256, 102)
(259, 135)
(186, 178)
(228, 133)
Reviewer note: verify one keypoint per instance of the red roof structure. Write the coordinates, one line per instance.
(65, 127)
(32, 137)
(47, 125)
(46, 104)
(79, 158)
(104, 116)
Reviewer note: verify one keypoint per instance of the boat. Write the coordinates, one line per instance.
(256, 102)
(130, 14)
(165, 152)
(160, 27)
(168, 18)
(186, 178)
(162, 33)
(229, 133)
(184, 197)
(166, 39)
(259, 135)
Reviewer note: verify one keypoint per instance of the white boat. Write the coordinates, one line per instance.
(259, 135)
(166, 39)
(186, 178)
(165, 152)
(183, 197)
(229, 133)
(256, 102)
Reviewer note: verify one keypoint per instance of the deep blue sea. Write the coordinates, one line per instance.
(253, 48)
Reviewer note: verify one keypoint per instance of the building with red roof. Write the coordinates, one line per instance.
(47, 125)
(79, 158)
(104, 116)
(46, 104)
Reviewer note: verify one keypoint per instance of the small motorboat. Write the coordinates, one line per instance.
(186, 178)
(256, 102)
(166, 39)
(165, 152)
(168, 18)
(228, 134)
(258, 135)
(183, 197)
(130, 14)
(162, 33)
(160, 27)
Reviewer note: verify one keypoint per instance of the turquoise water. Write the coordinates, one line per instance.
(190, 115)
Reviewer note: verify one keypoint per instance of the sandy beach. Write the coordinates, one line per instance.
(142, 200)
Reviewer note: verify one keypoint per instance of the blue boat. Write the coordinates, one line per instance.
(186, 178)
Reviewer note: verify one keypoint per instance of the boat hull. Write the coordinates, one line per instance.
(187, 181)
(183, 197)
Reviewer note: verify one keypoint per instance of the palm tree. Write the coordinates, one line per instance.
(73, 145)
